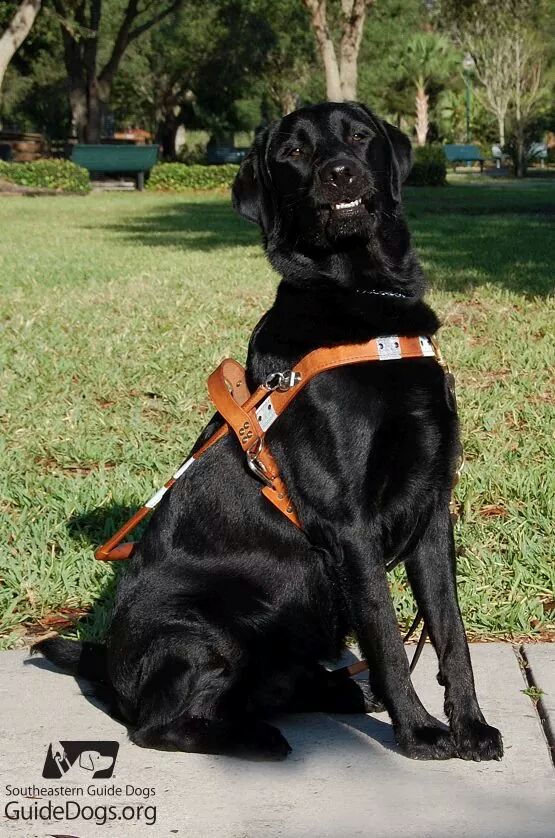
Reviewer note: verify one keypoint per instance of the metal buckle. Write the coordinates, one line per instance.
(254, 463)
(282, 380)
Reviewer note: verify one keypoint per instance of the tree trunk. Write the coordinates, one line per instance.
(501, 129)
(421, 125)
(94, 113)
(520, 161)
(165, 136)
(317, 9)
(354, 13)
(78, 105)
(349, 73)
(287, 102)
(18, 29)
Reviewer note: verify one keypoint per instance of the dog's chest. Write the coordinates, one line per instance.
(363, 433)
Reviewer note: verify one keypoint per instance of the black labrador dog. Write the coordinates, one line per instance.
(226, 609)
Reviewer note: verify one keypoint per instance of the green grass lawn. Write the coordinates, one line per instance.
(114, 309)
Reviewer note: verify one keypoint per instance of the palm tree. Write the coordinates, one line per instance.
(428, 58)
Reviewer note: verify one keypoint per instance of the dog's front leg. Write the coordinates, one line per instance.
(417, 732)
(431, 572)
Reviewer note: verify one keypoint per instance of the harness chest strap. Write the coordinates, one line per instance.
(250, 425)
(250, 416)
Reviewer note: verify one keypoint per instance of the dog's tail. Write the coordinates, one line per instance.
(88, 660)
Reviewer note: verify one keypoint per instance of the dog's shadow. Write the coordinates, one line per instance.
(310, 732)
(94, 526)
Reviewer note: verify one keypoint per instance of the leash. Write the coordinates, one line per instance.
(249, 416)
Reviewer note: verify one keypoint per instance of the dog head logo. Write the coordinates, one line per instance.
(80, 760)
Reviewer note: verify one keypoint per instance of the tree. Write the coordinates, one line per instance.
(427, 58)
(156, 85)
(90, 86)
(386, 33)
(526, 90)
(341, 73)
(488, 39)
(509, 56)
(291, 56)
(16, 32)
(208, 67)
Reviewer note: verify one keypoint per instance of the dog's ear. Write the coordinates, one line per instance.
(400, 149)
(251, 192)
(401, 158)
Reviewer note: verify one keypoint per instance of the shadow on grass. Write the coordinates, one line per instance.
(511, 252)
(97, 525)
(91, 529)
(189, 225)
(467, 236)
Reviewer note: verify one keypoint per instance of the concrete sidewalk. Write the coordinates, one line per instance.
(345, 777)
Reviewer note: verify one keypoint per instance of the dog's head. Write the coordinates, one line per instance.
(326, 173)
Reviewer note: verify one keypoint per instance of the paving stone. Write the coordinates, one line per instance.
(345, 777)
(541, 659)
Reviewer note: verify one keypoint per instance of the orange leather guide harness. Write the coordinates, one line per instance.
(249, 416)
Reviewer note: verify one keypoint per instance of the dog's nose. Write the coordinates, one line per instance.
(337, 173)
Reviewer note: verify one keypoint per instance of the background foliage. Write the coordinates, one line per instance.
(62, 175)
(231, 65)
(178, 177)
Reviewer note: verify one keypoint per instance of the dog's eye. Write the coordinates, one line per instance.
(295, 153)
(357, 137)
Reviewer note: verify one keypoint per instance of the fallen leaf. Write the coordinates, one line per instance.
(493, 511)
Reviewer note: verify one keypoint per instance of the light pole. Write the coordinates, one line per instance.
(468, 64)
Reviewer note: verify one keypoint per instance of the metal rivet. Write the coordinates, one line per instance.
(289, 509)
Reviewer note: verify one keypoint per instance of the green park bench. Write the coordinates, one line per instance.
(117, 159)
(458, 153)
(216, 155)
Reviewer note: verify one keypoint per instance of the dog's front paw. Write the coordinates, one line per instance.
(477, 740)
(427, 741)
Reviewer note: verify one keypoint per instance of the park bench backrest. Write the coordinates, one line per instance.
(456, 152)
(225, 154)
(115, 158)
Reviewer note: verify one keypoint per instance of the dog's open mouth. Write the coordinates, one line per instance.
(347, 205)
(348, 218)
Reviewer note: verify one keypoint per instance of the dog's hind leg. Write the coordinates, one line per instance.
(431, 572)
(196, 703)
(213, 736)
(320, 691)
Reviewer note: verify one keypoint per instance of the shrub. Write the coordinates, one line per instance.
(176, 177)
(429, 168)
(62, 175)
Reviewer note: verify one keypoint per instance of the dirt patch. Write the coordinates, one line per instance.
(8, 188)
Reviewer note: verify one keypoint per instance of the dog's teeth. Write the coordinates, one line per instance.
(348, 204)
